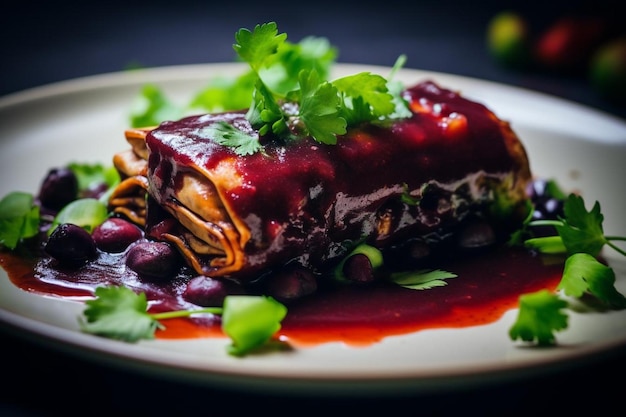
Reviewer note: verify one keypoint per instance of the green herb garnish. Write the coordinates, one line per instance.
(19, 218)
(119, 313)
(85, 212)
(287, 93)
(423, 279)
(581, 238)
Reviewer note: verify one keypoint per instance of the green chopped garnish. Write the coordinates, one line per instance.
(374, 255)
(250, 321)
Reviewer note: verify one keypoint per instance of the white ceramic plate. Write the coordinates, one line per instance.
(83, 120)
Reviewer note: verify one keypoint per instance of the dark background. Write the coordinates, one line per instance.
(42, 43)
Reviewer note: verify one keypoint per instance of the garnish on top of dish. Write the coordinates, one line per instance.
(288, 188)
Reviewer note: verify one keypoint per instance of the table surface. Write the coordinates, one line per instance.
(43, 44)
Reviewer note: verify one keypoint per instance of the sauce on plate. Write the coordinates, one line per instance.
(485, 288)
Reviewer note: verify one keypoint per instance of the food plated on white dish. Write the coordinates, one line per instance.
(86, 121)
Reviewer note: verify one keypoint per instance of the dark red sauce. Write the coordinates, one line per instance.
(358, 177)
(486, 287)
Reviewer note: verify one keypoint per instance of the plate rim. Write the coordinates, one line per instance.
(168, 73)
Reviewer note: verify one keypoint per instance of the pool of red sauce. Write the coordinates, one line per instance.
(486, 287)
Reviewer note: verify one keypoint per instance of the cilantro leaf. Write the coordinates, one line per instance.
(319, 108)
(581, 236)
(585, 274)
(152, 107)
(19, 218)
(226, 134)
(372, 91)
(254, 47)
(265, 113)
(226, 93)
(119, 313)
(282, 69)
(422, 279)
(539, 317)
(581, 230)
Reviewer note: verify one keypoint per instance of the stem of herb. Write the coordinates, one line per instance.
(615, 247)
(186, 313)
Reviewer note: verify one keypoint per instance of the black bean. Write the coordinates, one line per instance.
(537, 188)
(59, 188)
(210, 292)
(115, 235)
(153, 260)
(358, 268)
(291, 283)
(476, 234)
(553, 207)
(70, 244)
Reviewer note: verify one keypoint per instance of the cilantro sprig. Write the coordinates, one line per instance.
(323, 109)
(119, 313)
(286, 92)
(580, 236)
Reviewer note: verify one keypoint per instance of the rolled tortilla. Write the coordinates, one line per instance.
(305, 202)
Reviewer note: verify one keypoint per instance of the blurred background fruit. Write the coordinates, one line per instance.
(567, 44)
(607, 71)
(508, 39)
(590, 46)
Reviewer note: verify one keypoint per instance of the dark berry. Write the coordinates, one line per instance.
(71, 244)
(116, 234)
(153, 260)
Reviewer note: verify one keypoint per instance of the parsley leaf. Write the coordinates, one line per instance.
(581, 237)
(254, 47)
(225, 93)
(365, 97)
(19, 218)
(583, 273)
(581, 229)
(539, 317)
(319, 108)
(119, 313)
(152, 107)
(226, 134)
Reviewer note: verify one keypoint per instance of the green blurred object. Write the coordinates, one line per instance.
(508, 39)
(608, 70)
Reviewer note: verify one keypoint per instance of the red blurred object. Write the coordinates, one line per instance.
(569, 42)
